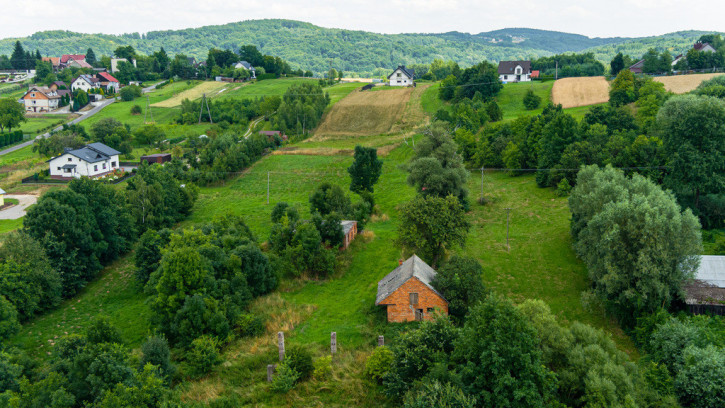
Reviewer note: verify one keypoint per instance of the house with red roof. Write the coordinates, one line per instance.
(108, 81)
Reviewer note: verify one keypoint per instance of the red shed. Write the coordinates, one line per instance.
(408, 294)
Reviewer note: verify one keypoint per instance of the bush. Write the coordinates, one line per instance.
(300, 360)
(250, 325)
(379, 363)
(129, 93)
(435, 394)
(155, 350)
(531, 100)
(203, 356)
(323, 368)
(285, 378)
(135, 110)
(563, 188)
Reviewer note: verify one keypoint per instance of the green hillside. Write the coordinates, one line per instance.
(316, 48)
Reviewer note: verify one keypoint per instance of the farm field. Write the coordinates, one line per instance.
(364, 113)
(258, 89)
(574, 92)
(511, 98)
(210, 88)
(681, 84)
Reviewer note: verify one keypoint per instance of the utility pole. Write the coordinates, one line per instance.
(556, 76)
(267, 187)
(148, 111)
(481, 200)
(508, 247)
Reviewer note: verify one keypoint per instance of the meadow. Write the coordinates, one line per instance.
(511, 97)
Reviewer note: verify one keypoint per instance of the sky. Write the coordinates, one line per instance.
(603, 18)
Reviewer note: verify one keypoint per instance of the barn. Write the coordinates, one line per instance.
(408, 294)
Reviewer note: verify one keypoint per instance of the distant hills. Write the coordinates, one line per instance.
(316, 48)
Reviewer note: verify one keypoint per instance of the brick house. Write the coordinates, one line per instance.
(408, 294)
(349, 229)
(41, 99)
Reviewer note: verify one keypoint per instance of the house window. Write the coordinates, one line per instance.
(32, 95)
(58, 168)
(113, 164)
(70, 159)
(399, 75)
(104, 166)
(95, 167)
(505, 77)
(413, 298)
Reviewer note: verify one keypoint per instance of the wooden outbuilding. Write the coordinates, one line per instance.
(408, 294)
(349, 229)
(157, 158)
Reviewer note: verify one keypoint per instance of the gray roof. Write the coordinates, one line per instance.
(68, 166)
(246, 65)
(410, 72)
(413, 267)
(94, 152)
(347, 225)
(712, 270)
(509, 67)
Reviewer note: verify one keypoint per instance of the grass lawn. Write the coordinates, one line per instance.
(430, 102)
(42, 124)
(26, 153)
(511, 98)
(579, 112)
(258, 89)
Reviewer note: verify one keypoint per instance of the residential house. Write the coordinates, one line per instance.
(55, 61)
(93, 160)
(85, 82)
(706, 293)
(704, 47)
(408, 294)
(637, 67)
(402, 76)
(116, 61)
(41, 99)
(156, 158)
(76, 60)
(273, 133)
(2, 197)
(514, 71)
(108, 82)
(349, 230)
(248, 67)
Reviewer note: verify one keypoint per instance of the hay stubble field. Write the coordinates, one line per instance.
(583, 91)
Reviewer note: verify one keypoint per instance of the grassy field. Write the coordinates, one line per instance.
(574, 92)
(681, 84)
(258, 89)
(511, 98)
(429, 101)
(43, 123)
(210, 88)
(365, 113)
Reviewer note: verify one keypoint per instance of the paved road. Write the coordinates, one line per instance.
(84, 116)
(18, 211)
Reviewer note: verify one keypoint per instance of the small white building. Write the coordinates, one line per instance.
(402, 76)
(248, 67)
(108, 82)
(93, 160)
(85, 82)
(41, 99)
(514, 71)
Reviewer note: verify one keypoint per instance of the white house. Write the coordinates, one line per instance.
(108, 81)
(85, 82)
(514, 71)
(402, 76)
(92, 160)
(41, 99)
(248, 67)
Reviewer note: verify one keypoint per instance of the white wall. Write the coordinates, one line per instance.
(80, 84)
(83, 168)
(404, 79)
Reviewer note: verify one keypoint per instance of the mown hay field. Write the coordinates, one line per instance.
(573, 92)
(365, 113)
(681, 84)
(211, 89)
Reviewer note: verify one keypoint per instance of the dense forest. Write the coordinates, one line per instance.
(316, 48)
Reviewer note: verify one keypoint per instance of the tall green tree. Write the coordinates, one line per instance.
(432, 225)
(617, 64)
(460, 281)
(365, 169)
(622, 90)
(693, 133)
(18, 58)
(11, 114)
(91, 56)
(638, 245)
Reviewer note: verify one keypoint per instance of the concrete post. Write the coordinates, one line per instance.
(381, 341)
(270, 371)
(280, 345)
(333, 342)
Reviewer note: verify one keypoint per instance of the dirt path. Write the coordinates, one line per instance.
(18, 211)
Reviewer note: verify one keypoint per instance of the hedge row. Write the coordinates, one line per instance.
(10, 137)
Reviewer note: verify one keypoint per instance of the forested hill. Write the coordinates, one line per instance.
(315, 48)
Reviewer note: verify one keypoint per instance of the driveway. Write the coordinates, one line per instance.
(18, 211)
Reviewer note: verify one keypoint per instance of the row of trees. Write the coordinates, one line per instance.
(481, 79)
(655, 62)
(568, 65)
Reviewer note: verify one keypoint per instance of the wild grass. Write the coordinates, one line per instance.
(38, 124)
(511, 98)
(209, 88)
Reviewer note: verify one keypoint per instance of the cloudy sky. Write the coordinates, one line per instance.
(599, 18)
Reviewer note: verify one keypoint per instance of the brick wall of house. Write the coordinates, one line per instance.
(399, 308)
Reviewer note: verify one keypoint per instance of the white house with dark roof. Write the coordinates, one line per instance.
(92, 160)
(85, 82)
(248, 67)
(402, 76)
(514, 71)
